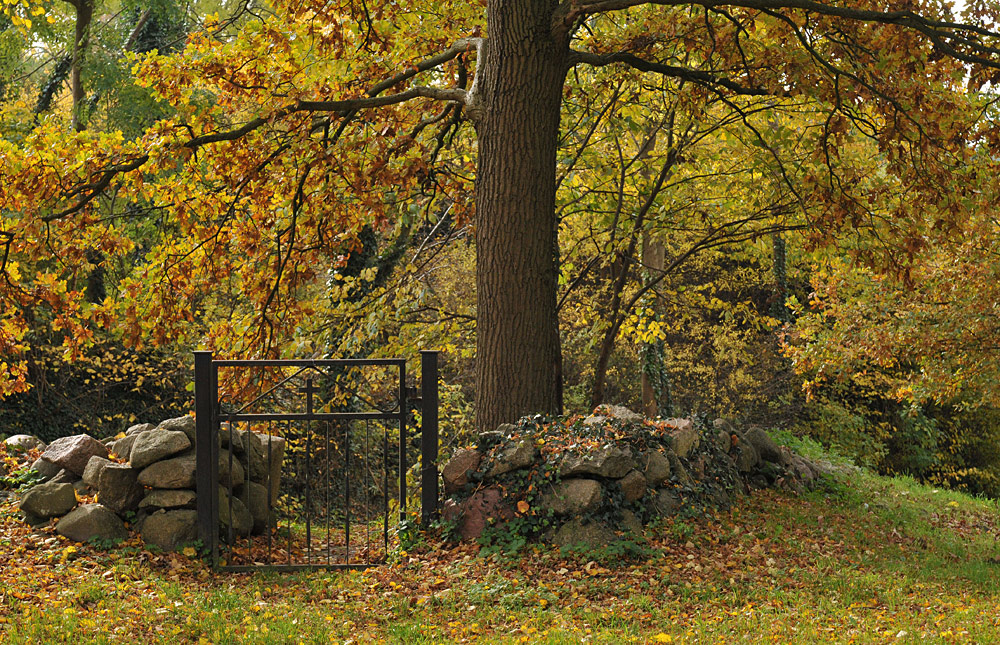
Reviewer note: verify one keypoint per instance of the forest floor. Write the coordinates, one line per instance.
(863, 559)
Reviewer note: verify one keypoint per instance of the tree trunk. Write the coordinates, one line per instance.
(84, 15)
(519, 96)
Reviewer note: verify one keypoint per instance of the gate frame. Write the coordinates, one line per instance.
(207, 422)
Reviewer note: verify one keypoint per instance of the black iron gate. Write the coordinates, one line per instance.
(300, 463)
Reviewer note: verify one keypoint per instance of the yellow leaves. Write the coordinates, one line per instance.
(523, 507)
(662, 638)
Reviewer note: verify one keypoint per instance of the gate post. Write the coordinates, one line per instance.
(429, 435)
(205, 396)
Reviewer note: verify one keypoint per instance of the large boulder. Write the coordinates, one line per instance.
(633, 486)
(612, 462)
(683, 436)
(231, 471)
(170, 530)
(46, 469)
(48, 500)
(92, 473)
(274, 449)
(168, 498)
(233, 514)
(155, 445)
(515, 457)
(137, 428)
(573, 497)
(591, 535)
(249, 450)
(178, 472)
(118, 488)
(655, 467)
(65, 477)
(455, 473)
(185, 424)
(254, 497)
(473, 515)
(667, 502)
(92, 522)
(764, 445)
(23, 443)
(73, 453)
(123, 447)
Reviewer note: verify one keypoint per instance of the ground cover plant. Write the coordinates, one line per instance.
(863, 559)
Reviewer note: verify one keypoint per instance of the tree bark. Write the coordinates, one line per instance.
(518, 99)
(84, 16)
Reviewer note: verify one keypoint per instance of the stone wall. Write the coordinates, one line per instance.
(144, 480)
(597, 479)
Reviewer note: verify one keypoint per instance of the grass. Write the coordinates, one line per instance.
(863, 559)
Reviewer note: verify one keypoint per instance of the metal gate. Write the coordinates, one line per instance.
(300, 463)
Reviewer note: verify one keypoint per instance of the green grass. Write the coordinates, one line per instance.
(862, 559)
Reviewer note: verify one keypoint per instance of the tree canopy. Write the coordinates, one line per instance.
(301, 153)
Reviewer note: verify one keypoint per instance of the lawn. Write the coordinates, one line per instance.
(862, 559)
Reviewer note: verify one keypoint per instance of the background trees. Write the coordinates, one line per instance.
(304, 192)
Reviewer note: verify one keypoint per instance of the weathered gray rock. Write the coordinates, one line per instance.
(254, 497)
(155, 445)
(185, 424)
(233, 514)
(678, 471)
(46, 469)
(90, 522)
(455, 473)
(655, 467)
(513, 458)
(746, 456)
(683, 436)
(633, 486)
(34, 521)
(249, 450)
(631, 522)
(765, 446)
(667, 502)
(65, 477)
(92, 473)
(168, 498)
(231, 472)
(590, 534)
(123, 447)
(803, 470)
(136, 429)
(274, 449)
(48, 500)
(73, 453)
(118, 488)
(611, 462)
(178, 472)
(23, 443)
(572, 497)
(723, 440)
(622, 413)
(170, 530)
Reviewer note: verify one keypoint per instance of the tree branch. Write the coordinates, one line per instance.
(683, 73)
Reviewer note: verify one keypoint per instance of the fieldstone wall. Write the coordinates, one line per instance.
(146, 477)
(593, 480)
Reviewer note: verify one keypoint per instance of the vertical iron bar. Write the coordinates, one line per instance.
(402, 440)
(329, 541)
(365, 483)
(309, 411)
(347, 493)
(269, 506)
(385, 490)
(293, 458)
(428, 436)
(229, 479)
(205, 397)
